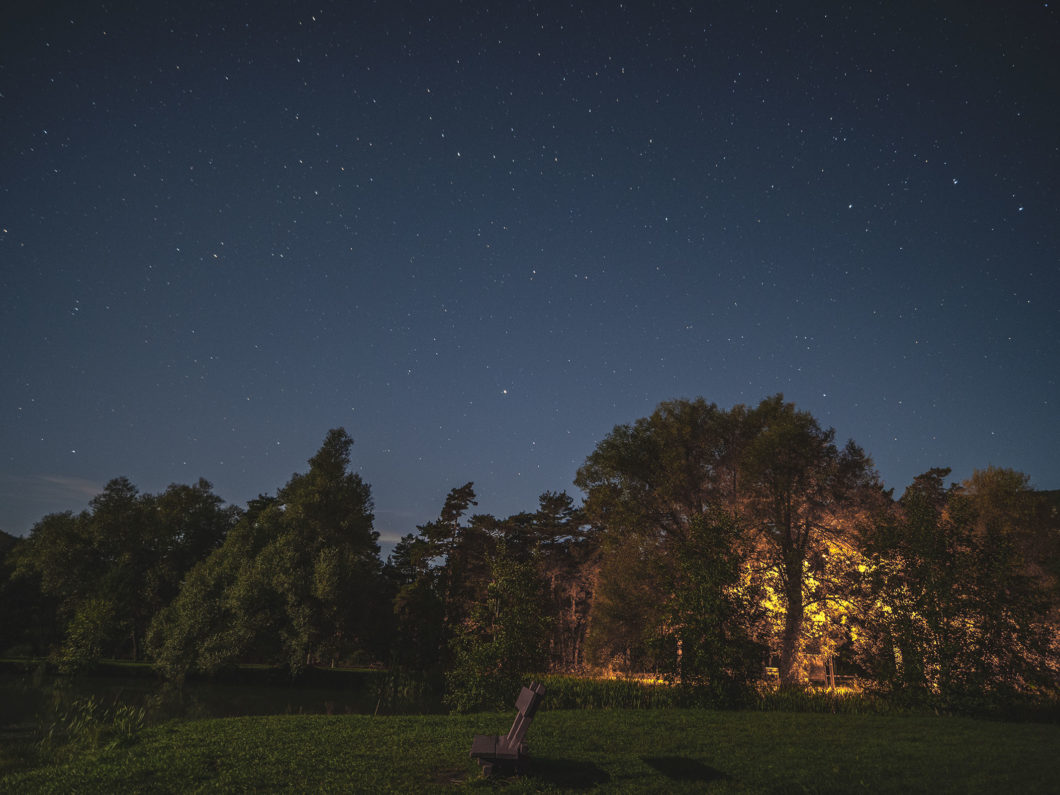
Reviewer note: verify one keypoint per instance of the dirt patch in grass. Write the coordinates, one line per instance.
(450, 774)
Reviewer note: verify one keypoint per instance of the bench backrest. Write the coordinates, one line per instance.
(527, 703)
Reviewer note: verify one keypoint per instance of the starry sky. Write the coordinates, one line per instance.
(478, 236)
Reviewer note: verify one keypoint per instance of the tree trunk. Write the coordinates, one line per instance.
(791, 640)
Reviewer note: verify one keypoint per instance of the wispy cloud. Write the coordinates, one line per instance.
(26, 499)
(62, 491)
(393, 525)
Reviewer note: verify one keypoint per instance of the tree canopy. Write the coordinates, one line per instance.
(773, 468)
(294, 582)
(713, 546)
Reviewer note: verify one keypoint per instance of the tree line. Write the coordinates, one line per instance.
(712, 546)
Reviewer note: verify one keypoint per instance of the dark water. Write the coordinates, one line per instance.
(30, 699)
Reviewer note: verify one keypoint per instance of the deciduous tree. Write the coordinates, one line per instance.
(772, 467)
(297, 581)
(956, 611)
(797, 491)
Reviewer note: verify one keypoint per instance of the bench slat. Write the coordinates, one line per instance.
(510, 747)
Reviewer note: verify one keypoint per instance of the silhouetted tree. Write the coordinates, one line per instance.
(111, 568)
(457, 548)
(27, 615)
(568, 556)
(297, 580)
(645, 483)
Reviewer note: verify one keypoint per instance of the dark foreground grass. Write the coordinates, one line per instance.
(613, 750)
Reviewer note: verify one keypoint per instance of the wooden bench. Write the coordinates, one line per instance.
(509, 750)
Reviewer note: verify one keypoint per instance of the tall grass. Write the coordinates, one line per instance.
(573, 692)
(570, 692)
(92, 723)
(772, 698)
(404, 692)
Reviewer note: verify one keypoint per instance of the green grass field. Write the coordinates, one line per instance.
(605, 750)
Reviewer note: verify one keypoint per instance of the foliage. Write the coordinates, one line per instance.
(575, 692)
(441, 577)
(28, 625)
(110, 568)
(420, 636)
(408, 691)
(713, 614)
(456, 556)
(800, 491)
(705, 534)
(627, 611)
(567, 555)
(955, 611)
(295, 582)
(219, 611)
(436, 575)
(87, 635)
(652, 476)
(773, 467)
(502, 640)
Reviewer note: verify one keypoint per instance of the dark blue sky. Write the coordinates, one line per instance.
(479, 238)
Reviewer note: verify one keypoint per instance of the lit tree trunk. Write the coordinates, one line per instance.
(790, 641)
(571, 648)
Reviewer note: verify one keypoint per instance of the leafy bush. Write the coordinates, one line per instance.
(87, 635)
(502, 640)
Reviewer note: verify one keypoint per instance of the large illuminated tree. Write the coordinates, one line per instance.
(799, 492)
(789, 486)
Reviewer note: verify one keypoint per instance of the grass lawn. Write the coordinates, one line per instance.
(607, 750)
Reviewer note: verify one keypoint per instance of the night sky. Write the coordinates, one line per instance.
(478, 238)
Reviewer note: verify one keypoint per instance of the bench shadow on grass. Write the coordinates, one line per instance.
(682, 768)
(568, 773)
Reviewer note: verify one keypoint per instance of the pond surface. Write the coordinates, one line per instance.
(32, 698)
